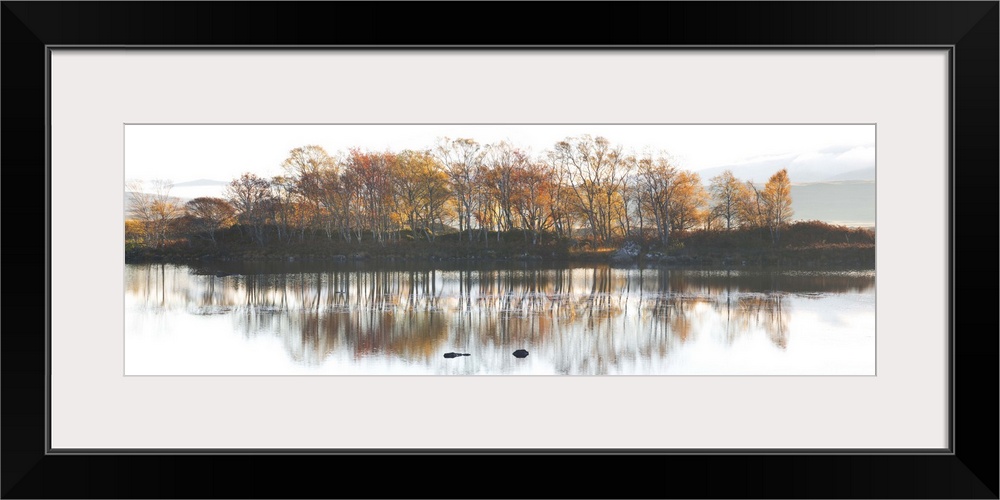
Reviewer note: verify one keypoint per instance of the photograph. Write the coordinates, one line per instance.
(499, 249)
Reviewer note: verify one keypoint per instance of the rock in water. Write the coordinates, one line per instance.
(520, 353)
(455, 354)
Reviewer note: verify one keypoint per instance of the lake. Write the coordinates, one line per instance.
(366, 319)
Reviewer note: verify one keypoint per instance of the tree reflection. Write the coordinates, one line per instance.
(592, 320)
(743, 312)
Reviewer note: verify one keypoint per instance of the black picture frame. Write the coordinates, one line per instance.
(970, 28)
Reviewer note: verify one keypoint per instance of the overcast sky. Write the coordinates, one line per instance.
(183, 153)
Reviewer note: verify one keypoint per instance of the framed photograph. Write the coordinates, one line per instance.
(317, 249)
(496, 250)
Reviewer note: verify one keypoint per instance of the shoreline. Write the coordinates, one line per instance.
(782, 259)
(803, 245)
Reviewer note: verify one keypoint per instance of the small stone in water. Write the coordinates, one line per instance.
(520, 353)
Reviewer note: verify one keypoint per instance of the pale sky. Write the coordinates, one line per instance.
(183, 153)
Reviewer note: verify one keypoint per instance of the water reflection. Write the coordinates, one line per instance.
(589, 320)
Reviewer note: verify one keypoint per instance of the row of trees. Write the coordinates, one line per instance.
(584, 187)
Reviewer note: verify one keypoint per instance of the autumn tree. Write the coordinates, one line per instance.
(637, 213)
(134, 233)
(503, 163)
(777, 203)
(687, 201)
(250, 195)
(324, 191)
(407, 186)
(728, 195)
(655, 183)
(486, 212)
(537, 188)
(628, 198)
(307, 160)
(597, 174)
(559, 205)
(437, 194)
(209, 214)
(351, 194)
(303, 169)
(421, 191)
(751, 209)
(293, 214)
(461, 159)
(154, 209)
(369, 175)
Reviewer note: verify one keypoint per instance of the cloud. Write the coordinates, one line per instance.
(863, 156)
(806, 166)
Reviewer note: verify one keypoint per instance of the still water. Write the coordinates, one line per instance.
(595, 320)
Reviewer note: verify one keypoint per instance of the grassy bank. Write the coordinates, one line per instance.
(807, 244)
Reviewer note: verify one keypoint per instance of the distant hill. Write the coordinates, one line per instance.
(849, 203)
(865, 174)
